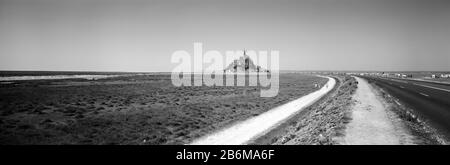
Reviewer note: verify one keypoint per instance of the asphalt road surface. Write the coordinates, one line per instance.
(430, 100)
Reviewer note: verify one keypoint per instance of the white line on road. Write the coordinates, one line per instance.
(446, 90)
(250, 129)
(397, 102)
(433, 87)
(402, 87)
(399, 81)
(424, 94)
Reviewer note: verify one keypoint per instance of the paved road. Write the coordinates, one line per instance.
(430, 100)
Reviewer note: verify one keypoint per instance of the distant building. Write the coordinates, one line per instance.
(445, 75)
(244, 65)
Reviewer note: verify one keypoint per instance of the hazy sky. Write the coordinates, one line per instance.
(132, 35)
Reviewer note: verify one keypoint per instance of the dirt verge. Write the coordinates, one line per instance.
(417, 125)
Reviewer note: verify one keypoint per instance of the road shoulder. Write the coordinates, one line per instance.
(372, 123)
(417, 125)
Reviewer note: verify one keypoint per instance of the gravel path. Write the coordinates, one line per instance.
(244, 132)
(371, 123)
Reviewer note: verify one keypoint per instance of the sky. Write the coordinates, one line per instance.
(138, 35)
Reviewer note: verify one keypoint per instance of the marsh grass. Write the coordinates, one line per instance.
(141, 109)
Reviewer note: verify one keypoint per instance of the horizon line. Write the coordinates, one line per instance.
(281, 70)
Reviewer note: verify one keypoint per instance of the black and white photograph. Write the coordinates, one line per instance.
(185, 73)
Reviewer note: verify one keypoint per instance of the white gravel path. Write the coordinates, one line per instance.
(244, 132)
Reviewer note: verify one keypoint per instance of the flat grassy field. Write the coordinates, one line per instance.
(139, 109)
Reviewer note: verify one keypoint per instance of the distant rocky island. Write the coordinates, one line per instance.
(244, 65)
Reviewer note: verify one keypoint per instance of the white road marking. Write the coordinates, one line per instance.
(402, 87)
(397, 102)
(250, 129)
(433, 87)
(402, 81)
(446, 90)
(424, 94)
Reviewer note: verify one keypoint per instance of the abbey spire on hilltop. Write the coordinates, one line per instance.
(244, 64)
